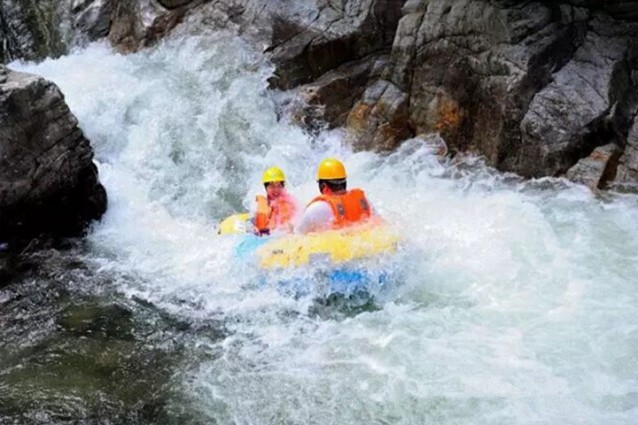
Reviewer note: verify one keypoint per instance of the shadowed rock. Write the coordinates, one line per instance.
(92, 19)
(328, 100)
(598, 168)
(583, 107)
(627, 173)
(48, 182)
(336, 33)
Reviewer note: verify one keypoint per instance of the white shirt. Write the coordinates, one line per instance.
(316, 217)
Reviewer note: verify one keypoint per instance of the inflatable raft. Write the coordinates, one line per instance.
(350, 260)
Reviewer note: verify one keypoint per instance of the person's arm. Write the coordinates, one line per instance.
(317, 216)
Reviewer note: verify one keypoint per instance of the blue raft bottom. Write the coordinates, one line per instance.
(324, 279)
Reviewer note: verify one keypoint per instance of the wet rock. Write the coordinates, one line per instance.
(33, 30)
(92, 18)
(456, 63)
(598, 168)
(304, 40)
(581, 107)
(619, 9)
(627, 173)
(336, 33)
(329, 99)
(380, 121)
(533, 86)
(139, 24)
(48, 182)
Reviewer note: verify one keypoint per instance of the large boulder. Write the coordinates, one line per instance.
(48, 182)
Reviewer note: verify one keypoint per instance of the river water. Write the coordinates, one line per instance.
(517, 301)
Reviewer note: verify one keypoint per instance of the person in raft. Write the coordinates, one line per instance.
(276, 210)
(336, 207)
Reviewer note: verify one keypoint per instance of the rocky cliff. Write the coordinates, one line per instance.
(536, 87)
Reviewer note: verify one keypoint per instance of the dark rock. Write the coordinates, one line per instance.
(48, 182)
(33, 30)
(619, 9)
(598, 168)
(139, 24)
(329, 99)
(339, 32)
(533, 86)
(627, 173)
(92, 18)
(172, 4)
(578, 110)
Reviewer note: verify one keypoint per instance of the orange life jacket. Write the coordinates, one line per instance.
(349, 208)
(271, 216)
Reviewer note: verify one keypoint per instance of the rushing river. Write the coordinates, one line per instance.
(517, 302)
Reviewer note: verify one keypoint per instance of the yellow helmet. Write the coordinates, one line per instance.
(331, 169)
(273, 174)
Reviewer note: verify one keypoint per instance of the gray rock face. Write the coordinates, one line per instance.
(336, 32)
(304, 38)
(48, 182)
(584, 105)
(92, 18)
(33, 29)
(533, 86)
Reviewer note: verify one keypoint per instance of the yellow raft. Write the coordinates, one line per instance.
(367, 240)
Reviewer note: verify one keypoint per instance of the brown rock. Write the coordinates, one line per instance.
(139, 24)
(380, 120)
(598, 168)
(328, 100)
